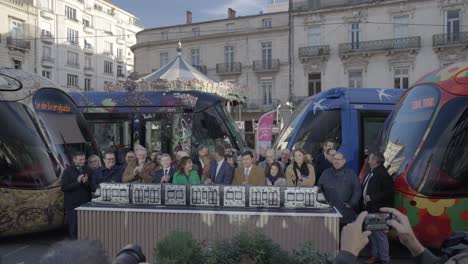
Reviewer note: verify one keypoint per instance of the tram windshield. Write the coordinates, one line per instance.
(25, 159)
(406, 130)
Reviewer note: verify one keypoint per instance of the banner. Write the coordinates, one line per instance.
(264, 131)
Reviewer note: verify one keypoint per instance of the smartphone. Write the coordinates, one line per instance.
(377, 222)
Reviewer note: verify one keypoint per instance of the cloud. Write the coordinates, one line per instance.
(242, 7)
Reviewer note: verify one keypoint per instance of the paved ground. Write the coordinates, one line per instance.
(29, 248)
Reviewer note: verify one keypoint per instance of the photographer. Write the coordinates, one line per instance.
(76, 186)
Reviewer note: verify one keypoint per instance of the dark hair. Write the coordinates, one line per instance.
(183, 161)
(304, 169)
(78, 153)
(201, 146)
(247, 153)
(329, 150)
(329, 141)
(78, 251)
(379, 157)
(220, 150)
(280, 170)
(109, 152)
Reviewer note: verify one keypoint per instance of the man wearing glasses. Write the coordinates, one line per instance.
(341, 188)
(107, 173)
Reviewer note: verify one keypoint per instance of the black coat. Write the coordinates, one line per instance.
(76, 193)
(320, 165)
(379, 189)
(160, 174)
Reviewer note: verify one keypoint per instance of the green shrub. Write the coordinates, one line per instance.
(178, 248)
(308, 254)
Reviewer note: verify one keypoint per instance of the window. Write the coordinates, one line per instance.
(119, 33)
(400, 26)
(108, 48)
(45, 4)
(16, 28)
(17, 64)
(46, 52)
(120, 53)
(70, 13)
(163, 59)
(46, 30)
(98, 7)
(120, 71)
(88, 62)
(72, 36)
(313, 34)
(46, 74)
(108, 67)
(72, 59)
(107, 27)
(355, 78)
(267, 87)
(87, 84)
(195, 55)
(266, 23)
(453, 25)
(229, 54)
(401, 77)
(86, 22)
(355, 35)
(267, 55)
(87, 44)
(195, 32)
(315, 83)
(72, 80)
(164, 35)
(230, 27)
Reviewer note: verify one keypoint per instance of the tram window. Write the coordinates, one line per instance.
(209, 129)
(318, 127)
(371, 123)
(26, 160)
(111, 134)
(441, 168)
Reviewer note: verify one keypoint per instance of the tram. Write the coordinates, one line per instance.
(165, 121)
(353, 117)
(40, 128)
(426, 149)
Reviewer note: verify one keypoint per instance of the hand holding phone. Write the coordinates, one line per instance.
(377, 222)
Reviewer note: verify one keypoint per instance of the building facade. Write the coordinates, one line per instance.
(250, 51)
(386, 43)
(80, 44)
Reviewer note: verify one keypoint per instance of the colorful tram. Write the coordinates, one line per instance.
(41, 127)
(425, 145)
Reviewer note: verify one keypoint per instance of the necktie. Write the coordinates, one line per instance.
(246, 172)
(165, 172)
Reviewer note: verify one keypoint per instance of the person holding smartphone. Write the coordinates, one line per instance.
(77, 189)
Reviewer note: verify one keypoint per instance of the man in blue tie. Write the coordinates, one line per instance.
(220, 171)
(165, 174)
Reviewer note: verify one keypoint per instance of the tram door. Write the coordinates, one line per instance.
(158, 128)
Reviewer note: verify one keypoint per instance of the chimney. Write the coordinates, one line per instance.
(189, 17)
(231, 13)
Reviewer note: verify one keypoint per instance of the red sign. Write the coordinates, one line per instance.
(264, 132)
(423, 103)
(46, 106)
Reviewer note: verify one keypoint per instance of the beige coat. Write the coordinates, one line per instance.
(306, 181)
(256, 176)
(147, 174)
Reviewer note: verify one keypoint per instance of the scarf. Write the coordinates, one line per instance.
(303, 169)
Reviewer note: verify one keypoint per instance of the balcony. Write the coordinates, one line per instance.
(411, 43)
(120, 59)
(88, 49)
(310, 52)
(88, 70)
(266, 65)
(229, 68)
(450, 40)
(262, 105)
(121, 77)
(313, 5)
(47, 62)
(201, 68)
(88, 29)
(14, 43)
(73, 65)
(121, 41)
(47, 14)
(47, 37)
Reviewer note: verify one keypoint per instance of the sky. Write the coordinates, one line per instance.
(158, 13)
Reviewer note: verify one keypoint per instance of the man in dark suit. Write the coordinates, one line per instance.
(165, 174)
(76, 185)
(377, 192)
(220, 171)
(321, 163)
(107, 173)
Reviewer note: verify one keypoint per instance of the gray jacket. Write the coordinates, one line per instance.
(342, 190)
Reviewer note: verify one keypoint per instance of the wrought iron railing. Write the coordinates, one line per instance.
(229, 68)
(48, 59)
(453, 39)
(314, 51)
(18, 43)
(201, 68)
(310, 5)
(380, 45)
(266, 65)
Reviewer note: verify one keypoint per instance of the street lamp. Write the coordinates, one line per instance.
(277, 115)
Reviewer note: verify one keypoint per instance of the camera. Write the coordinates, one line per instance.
(376, 222)
(130, 254)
